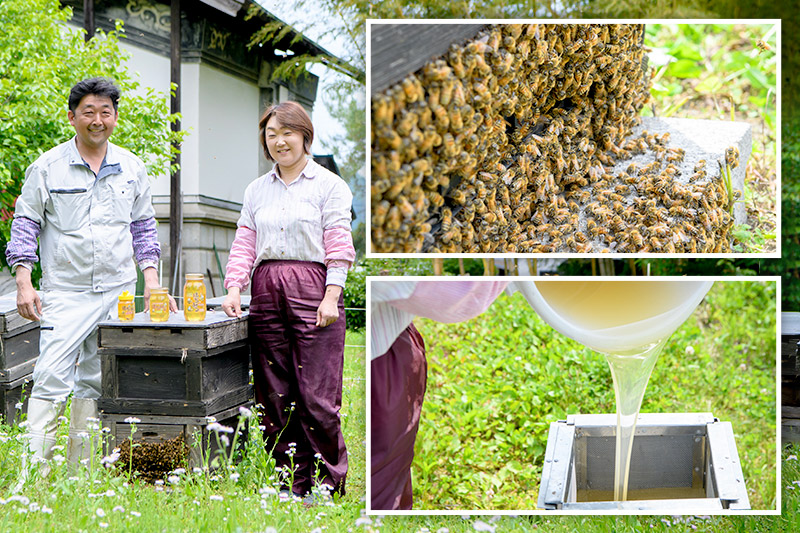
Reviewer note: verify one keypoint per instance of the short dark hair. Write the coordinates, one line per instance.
(95, 86)
(289, 115)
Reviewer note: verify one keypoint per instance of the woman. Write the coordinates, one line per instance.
(295, 229)
(399, 371)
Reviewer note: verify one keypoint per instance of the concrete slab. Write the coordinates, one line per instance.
(702, 139)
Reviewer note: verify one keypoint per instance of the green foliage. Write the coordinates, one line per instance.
(496, 382)
(355, 291)
(40, 60)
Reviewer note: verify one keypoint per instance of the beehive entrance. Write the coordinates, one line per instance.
(153, 458)
(519, 141)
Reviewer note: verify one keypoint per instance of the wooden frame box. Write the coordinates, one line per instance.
(174, 368)
(10, 395)
(157, 429)
(19, 341)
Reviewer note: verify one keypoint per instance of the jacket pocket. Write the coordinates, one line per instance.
(70, 208)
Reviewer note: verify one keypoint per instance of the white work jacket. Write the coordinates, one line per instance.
(85, 241)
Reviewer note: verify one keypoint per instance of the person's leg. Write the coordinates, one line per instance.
(319, 353)
(273, 368)
(87, 388)
(398, 381)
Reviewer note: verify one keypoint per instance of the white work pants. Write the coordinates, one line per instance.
(68, 360)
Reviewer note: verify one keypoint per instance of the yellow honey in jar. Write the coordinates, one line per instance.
(125, 308)
(159, 305)
(194, 298)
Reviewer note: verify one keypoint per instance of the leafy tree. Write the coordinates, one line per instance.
(40, 60)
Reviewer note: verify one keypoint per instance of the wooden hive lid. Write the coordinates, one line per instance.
(10, 319)
(176, 333)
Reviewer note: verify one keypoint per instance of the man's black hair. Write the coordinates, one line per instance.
(95, 86)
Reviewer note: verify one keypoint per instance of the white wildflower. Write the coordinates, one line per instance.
(480, 525)
(100, 512)
(132, 420)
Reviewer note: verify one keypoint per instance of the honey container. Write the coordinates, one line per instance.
(159, 305)
(194, 298)
(125, 307)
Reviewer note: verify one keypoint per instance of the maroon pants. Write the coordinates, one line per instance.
(297, 370)
(398, 388)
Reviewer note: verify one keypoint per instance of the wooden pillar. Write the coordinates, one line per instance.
(175, 192)
(88, 19)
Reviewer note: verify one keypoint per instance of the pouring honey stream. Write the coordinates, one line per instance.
(628, 321)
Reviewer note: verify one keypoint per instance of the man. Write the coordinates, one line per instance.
(88, 202)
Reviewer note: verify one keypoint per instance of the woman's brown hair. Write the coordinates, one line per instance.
(289, 115)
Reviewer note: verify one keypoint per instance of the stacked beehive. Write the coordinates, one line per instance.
(513, 141)
(19, 349)
(790, 377)
(171, 379)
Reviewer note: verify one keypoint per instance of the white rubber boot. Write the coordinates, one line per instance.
(42, 426)
(84, 429)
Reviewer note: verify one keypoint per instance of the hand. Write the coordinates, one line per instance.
(233, 302)
(328, 310)
(151, 282)
(28, 303)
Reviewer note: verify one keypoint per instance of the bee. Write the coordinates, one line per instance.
(763, 46)
(394, 219)
(442, 118)
(456, 121)
(458, 196)
(379, 213)
(382, 111)
(732, 156)
(412, 89)
(437, 70)
(446, 217)
(446, 92)
(449, 143)
(636, 238)
(655, 244)
(434, 198)
(617, 224)
(675, 155)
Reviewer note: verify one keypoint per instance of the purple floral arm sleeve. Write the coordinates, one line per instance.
(146, 248)
(22, 245)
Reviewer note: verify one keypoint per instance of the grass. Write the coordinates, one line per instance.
(236, 498)
(495, 383)
(717, 71)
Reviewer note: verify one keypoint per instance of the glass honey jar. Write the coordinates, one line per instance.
(125, 308)
(194, 298)
(159, 305)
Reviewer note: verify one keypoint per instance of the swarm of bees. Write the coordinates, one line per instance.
(517, 141)
(153, 460)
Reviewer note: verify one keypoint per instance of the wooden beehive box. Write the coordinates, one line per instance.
(790, 377)
(12, 393)
(174, 368)
(159, 429)
(19, 341)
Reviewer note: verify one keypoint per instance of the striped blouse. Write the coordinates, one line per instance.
(307, 220)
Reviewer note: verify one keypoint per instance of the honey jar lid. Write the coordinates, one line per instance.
(158, 290)
(126, 297)
(194, 277)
